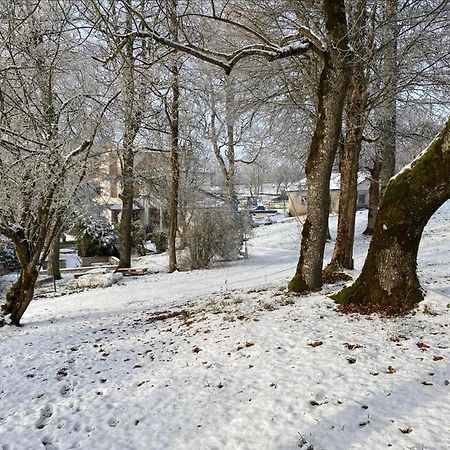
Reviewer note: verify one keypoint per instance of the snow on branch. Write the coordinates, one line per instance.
(306, 33)
(304, 40)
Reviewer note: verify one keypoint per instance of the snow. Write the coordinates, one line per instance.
(226, 359)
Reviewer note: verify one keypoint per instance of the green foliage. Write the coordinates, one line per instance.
(95, 237)
(159, 238)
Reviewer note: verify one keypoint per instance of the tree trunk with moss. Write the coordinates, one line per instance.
(374, 196)
(333, 85)
(388, 281)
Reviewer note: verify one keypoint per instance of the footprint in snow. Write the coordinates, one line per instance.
(46, 442)
(113, 422)
(66, 389)
(46, 414)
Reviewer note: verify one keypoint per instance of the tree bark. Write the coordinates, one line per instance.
(388, 282)
(349, 152)
(20, 295)
(132, 119)
(374, 196)
(53, 266)
(389, 109)
(333, 85)
(174, 169)
(174, 146)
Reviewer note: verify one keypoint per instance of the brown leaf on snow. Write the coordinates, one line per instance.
(424, 347)
(315, 343)
(438, 358)
(196, 350)
(352, 346)
(406, 430)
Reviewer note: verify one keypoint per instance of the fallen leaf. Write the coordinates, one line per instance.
(315, 343)
(424, 347)
(352, 346)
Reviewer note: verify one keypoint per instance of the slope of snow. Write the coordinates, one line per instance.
(226, 359)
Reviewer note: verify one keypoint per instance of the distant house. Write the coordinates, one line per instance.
(298, 198)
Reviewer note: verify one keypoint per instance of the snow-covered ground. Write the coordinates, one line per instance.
(226, 359)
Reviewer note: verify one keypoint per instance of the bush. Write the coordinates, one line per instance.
(212, 234)
(96, 237)
(138, 238)
(8, 258)
(159, 238)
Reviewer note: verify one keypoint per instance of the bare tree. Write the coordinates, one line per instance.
(48, 122)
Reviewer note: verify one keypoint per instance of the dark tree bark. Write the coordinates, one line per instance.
(374, 196)
(389, 108)
(21, 293)
(174, 168)
(132, 122)
(53, 266)
(388, 281)
(174, 144)
(333, 85)
(349, 152)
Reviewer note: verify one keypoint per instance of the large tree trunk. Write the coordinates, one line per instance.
(374, 196)
(20, 295)
(388, 281)
(334, 80)
(389, 109)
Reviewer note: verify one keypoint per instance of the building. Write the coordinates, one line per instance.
(298, 198)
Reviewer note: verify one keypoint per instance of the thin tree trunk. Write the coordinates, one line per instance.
(388, 281)
(374, 196)
(349, 152)
(389, 109)
(132, 118)
(334, 80)
(53, 266)
(127, 197)
(174, 146)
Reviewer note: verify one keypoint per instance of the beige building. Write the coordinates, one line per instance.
(298, 198)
